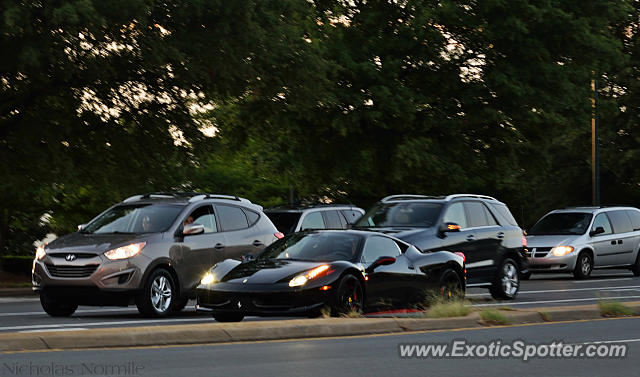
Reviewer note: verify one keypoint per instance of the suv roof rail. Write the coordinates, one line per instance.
(596, 207)
(307, 206)
(159, 195)
(455, 196)
(408, 197)
(198, 197)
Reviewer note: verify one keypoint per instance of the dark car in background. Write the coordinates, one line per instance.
(294, 218)
(151, 250)
(343, 270)
(479, 226)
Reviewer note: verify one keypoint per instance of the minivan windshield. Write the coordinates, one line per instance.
(315, 247)
(415, 214)
(562, 223)
(136, 218)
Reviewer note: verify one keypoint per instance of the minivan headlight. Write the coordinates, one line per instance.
(560, 251)
(40, 253)
(125, 252)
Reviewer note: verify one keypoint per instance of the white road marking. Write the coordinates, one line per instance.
(55, 327)
(627, 287)
(45, 330)
(598, 280)
(42, 312)
(509, 303)
(12, 300)
(613, 341)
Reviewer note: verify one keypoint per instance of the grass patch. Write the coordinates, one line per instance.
(507, 309)
(493, 317)
(325, 312)
(352, 314)
(445, 309)
(545, 316)
(611, 308)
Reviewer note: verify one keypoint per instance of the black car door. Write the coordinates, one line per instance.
(487, 239)
(386, 285)
(463, 241)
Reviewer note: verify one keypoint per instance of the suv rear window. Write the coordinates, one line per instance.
(232, 218)
(416, 214)
(502, 213)
(285, 222)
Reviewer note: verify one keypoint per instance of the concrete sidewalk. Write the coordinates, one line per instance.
(211, 333)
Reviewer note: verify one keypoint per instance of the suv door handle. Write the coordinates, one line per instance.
(500, 234)
(613, 242)
(257, 243)
(619, 242)
(470, 237)
(219, 246)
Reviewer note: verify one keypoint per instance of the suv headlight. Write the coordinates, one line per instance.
(40, 253)
(125, 252)
(560, 251)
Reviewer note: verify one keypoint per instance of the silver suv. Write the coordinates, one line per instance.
(151, 250)
(580, 239)
(294, 218)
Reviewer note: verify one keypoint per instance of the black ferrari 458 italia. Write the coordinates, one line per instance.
(342, 270)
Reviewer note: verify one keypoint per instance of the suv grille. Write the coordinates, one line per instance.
(77, 255)
(71, 271)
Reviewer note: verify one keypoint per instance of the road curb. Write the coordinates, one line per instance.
(17, 292)
(211, 333)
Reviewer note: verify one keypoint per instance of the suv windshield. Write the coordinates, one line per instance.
(285, 221)
(139, 218)
(416, 214)
(573, 223)
(315, 247)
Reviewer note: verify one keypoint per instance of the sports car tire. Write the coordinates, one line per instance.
(349, 297)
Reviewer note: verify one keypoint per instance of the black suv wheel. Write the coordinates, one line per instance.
(507, 283)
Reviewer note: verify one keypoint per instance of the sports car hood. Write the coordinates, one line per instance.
(550, 241)
(93, 243)
(267, 271)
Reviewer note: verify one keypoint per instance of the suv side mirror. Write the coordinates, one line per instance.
(448, 227)
(382, 261)
(191, 229)
(598, 230)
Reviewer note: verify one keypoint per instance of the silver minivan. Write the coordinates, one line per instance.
(579, 239)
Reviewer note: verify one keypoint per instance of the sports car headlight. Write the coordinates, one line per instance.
(125, 252)
(40, 253)
(560, 251)
(207, 279)
(302, 279)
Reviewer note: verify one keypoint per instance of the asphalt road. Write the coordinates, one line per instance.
(25, 313)
(353, 356)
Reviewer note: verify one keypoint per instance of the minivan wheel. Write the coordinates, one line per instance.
(507, 281)
(55, 308)
(157, 294)
(636, 266)
(584, 266)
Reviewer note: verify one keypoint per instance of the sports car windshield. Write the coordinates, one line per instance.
(315, 247)
(570, 223)
(416, 214)
(145, 218)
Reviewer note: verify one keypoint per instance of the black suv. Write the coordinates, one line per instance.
(294, 218)
(481, 227)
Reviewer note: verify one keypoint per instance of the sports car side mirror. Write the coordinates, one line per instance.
(191, 229)
(598, 230)
(382, 261)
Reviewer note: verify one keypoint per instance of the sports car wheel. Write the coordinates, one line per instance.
(349, 297)
(228, 317)
(450, 286)
(507, 281)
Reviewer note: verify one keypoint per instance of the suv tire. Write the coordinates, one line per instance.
(507, 283)
(157, 294)
(584, 266)
(55, 308)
